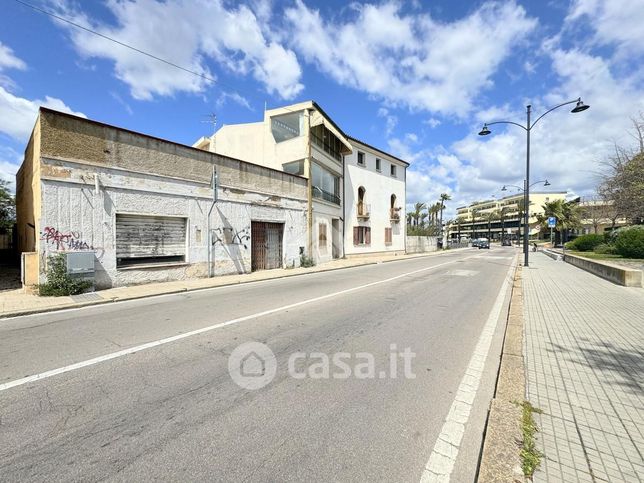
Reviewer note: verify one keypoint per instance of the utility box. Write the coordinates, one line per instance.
(80, 265)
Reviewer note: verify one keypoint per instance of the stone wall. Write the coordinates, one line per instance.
(420, 244)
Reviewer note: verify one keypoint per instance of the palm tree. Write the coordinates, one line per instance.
(418, 208)
(444, 197)
(501, 215)
(490, 216)
(474, 214)
(568, 214)
(423, 217)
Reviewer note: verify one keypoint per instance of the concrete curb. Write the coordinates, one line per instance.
(500, 459)
(75, 305)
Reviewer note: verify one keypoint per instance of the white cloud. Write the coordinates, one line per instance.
(9, 163)
(18, 115)
(391, 121)
(8, 60)
(411, 59)
(432, 122)
(187, 33)
(615, 22)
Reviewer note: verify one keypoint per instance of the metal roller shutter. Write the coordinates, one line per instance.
(143, 238)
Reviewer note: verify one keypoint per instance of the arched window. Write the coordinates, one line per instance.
(363, 209)
(393, 202)
(361, 192)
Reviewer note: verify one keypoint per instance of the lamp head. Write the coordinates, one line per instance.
(580, 106)
(504, 188)
(485, 131)
(546, 183)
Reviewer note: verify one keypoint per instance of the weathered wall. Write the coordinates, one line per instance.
(379, 186)
(88, 172)
(77, 217)
(419, 244)
(28, 193)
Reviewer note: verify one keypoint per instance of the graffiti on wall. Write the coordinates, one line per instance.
(230, 236)
(70, 241)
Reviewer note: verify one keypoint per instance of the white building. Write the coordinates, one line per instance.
(298, 139)
(374, 201)
(302, 139)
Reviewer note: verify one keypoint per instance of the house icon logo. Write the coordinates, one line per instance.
(252, 365)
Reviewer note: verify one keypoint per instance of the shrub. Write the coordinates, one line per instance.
(306, 262)
(586, 243)
(605, 249)
(629, 242)
(59, 283)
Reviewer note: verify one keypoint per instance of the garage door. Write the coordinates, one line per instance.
(266, 245)
(149, 239)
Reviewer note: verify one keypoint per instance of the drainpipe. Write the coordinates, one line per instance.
(309, 189)
(212, 205)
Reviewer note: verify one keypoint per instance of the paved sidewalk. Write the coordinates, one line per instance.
(16, 302)
(584, 356)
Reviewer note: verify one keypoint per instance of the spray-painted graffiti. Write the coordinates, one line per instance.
(228, 236)
(71, 241)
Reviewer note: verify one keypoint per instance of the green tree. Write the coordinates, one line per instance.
(568, 214)
(444, 197)
(474, 214)
(7, 206)
(501, 215)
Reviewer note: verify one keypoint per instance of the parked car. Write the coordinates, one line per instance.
(475, 242)
(506, 242)
(484, 243)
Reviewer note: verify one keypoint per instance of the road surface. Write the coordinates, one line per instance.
(168, 409)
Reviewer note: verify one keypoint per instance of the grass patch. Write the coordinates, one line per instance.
(603, 256)
(530, 456)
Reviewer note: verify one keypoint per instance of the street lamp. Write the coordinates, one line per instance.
(545, 182)
(579, 107)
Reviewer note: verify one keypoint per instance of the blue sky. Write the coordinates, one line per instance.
(417, 79)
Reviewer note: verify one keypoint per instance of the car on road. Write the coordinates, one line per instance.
(506, 242)
(483, 243)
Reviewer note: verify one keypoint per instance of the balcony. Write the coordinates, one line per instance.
(320, 194)
(394, 214)
(364, 211)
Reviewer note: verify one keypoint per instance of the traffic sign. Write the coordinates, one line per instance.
(552, 221)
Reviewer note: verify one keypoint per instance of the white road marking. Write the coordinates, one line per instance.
(441, 462)
(167, 340)
(462, 273)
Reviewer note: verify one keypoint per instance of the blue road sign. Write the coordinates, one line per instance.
(552, 221)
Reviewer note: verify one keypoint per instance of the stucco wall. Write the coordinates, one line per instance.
(419, 244)
(379, 187)
(76, 216)
(28, 194)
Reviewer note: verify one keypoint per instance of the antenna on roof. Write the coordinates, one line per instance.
(212, 119)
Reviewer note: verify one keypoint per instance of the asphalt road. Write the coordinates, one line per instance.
(172, 411)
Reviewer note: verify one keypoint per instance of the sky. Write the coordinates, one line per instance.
(416, 79)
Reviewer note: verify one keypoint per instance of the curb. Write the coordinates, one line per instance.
(503, 437)
(77, 305)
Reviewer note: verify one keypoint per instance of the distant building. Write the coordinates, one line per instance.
(302, 139)
(598, 216)
(141, 205)
(511, 226)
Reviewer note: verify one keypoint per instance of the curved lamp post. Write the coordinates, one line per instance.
(580, 106)
(545, 182)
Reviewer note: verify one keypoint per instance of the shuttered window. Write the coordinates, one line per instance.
(387, 236)
(361, 235)
(142, 239)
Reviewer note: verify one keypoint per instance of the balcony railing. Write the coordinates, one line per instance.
(319, 193)
(364, 210)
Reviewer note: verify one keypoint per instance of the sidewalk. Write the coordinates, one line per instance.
(584, 358)
(15, 302)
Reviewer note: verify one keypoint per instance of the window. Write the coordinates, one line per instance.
(287, 126)
(328, 141)
(361, 235)
(393, 170)
(388, 234)
(378, 164)
(361, 161)
(322, 235)
(325, 184)
(296, 167)
(144, 239)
